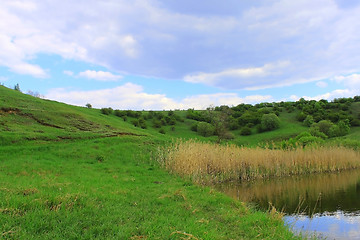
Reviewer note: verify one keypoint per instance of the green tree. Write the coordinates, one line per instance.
(309, 120)
(17, 87)
(323, 126)
(270, 122)
(205, 129)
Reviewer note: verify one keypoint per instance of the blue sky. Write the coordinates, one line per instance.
(170, 54)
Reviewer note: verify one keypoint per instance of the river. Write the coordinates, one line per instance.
(322, 205)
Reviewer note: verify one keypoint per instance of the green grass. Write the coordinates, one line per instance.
(62, 191)
(69, 172)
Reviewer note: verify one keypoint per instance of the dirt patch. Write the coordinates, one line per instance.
(42, 122)
(9, 110)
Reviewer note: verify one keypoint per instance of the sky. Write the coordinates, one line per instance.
(171, 54)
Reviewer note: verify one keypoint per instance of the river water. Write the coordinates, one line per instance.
(322, 205)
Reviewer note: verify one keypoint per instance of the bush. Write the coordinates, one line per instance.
(119, 113)
(194, 127)
(106, 111)
(323, 126)
(142, 123)
(309, 140)
(157, 123)
(245, 131)
(205, 129)
(162, 131)
(309, 120)
(341, 129)
(135, 122)
(270, 122)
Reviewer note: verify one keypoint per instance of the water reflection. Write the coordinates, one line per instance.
(326, 203)
(338, 225)
(302, 194)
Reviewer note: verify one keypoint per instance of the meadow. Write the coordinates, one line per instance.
(92, 176)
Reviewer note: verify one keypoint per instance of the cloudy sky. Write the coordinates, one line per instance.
(171, 54)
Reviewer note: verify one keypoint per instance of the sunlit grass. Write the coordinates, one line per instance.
(205, 162)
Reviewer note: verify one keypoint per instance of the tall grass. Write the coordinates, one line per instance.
(206, 162)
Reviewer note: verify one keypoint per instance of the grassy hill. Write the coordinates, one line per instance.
(69, 172)
(23, 117)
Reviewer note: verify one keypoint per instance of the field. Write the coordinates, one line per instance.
(73, 173)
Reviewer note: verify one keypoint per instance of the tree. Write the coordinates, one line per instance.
(309, 120)
(88, 105)
(106, 111)
(17, 87)
(270, 122)
(245, 131)
(205, 129)
(323, 126)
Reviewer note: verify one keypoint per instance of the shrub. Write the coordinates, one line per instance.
(106, 111)
(309, 140)
(309, 120)
(119, 113)
(17, 87)
(157, 123)
(205, 129)
(142, 123)
(135, 122)
(162, 131)
(270, 122)
(194, 127)
(227, 135)
(88, 105)
(341, 129)
(301, 117)
(245, 131)
(323, 126)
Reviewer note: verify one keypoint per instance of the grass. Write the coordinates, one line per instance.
(62, 191)
(206, 162)
(69, 172)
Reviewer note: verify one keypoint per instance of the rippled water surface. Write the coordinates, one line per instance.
(326, 205)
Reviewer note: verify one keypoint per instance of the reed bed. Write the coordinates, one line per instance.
(206, 162)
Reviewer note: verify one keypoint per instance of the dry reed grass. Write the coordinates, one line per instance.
(206, 162)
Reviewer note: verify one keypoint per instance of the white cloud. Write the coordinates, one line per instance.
(321, 84)
(338, 93)
(240, 77)
(351, 81)
(100, 76)
(236, 45)
(30, 69)
(132, 96)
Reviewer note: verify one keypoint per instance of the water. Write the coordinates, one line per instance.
(325, 205)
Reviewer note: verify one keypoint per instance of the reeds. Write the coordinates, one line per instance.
(205, 162)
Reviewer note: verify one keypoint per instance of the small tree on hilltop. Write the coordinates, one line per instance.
(17, 87)
(88, 105)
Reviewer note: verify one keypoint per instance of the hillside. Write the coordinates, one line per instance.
(74, 173)
(23, 117)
